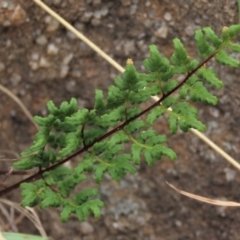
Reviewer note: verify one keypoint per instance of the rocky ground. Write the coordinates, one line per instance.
(41, 60)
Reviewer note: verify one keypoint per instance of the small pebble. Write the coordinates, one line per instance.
(68, 59)
(44, 62)
(58, 40)
(172, 171)
(198, 233)
(178, 223)
(162, 32)
(35, 56)
(141, 35)
(41, 40)
(151, 14)
(133, 9)
(190, 30)
(4, 4)
(143, 47)
(11, 14)
(96, 2)
(79, 26)
(71, 86)
(33, 65)
(97, 14)
(221, 209)
(57, 2)
(147, 3)
(71, 35)
(230, 174)
(228, 146)
(153, 39)
(64, 3)
(148, 23)
(104, 12)
(2, 66)
(214, 112)
(19, 16)
(13, 113)
(86, 16)
(22, 92)
(129, 46)
(168, 16)
(86, 228)
(95, 22)
(126, 2)
(52, 49)
(110, 25)
(52, 24)
(15, 79)
(8, 43)
(64, 71)
(76, 73)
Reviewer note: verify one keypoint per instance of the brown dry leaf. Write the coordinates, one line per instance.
(206, 200)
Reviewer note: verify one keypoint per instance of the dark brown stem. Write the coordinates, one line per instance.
(82, 135)
(120, 127)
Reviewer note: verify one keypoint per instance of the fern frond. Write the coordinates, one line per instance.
(224, 58)
(210, 77)
(116, 123)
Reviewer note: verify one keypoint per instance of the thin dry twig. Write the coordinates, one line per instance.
(10, 219)
(206, 200)
(10, 171)
(121, 69)
(9, 152)
(19, 102)
(29, 213)
(8, 159)
(17, 158)
(216, 148)
(79, 35)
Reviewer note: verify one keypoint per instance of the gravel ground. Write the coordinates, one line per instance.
(41, 60)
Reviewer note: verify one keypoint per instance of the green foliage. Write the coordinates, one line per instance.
(19, 236)
(82, 204)
(184, 116)
(118, 121)
(151, 144)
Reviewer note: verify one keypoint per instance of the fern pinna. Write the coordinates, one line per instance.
(102, 132)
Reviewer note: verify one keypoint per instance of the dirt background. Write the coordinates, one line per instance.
(41, 60)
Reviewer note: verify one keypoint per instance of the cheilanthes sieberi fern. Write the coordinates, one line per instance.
(101, 133)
